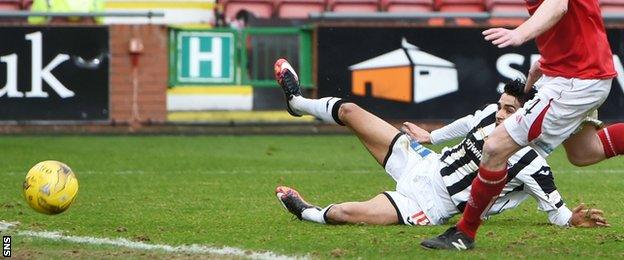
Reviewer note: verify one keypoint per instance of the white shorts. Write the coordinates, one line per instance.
(420, 193)
(560, 106)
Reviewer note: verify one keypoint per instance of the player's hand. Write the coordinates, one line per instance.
(588, 217)
(502, 37)
(416, 133)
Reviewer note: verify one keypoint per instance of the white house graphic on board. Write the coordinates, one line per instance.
(406, 74)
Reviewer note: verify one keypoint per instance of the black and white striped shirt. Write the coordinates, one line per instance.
(528, 173)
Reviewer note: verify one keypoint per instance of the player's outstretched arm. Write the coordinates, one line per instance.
(544, 18)
(587, 217)
(456, 129)
(459, 128)
(541, 186)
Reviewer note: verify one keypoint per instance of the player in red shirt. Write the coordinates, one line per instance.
(573, 78)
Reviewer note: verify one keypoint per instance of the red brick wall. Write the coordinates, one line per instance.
(152, 74)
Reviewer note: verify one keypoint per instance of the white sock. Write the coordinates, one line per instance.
(320, 108)
(315, 215)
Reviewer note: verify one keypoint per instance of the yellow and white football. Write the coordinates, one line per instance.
(50, 187)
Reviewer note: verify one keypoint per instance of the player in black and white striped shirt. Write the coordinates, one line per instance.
(430, 187)
(529, 174)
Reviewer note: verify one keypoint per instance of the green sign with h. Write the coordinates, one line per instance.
(205, 57)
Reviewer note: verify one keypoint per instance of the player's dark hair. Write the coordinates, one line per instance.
(515, 88)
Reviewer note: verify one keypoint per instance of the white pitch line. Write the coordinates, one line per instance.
(246, 171)
(586, 171)
(122, 242)
(6, 225)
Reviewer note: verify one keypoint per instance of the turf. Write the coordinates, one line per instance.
(218, 191)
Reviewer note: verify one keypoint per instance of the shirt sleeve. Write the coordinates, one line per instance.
(460, 127)
(561, 216)
(540, 184)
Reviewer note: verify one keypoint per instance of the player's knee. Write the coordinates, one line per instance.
(490, 149)
(492, 154)
(347, 109)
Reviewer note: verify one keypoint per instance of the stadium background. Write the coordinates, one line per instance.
(155, 89)
(135, 74)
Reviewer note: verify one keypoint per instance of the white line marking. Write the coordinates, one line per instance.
(588, 171)
(122, 242)
(7, 225)
(209, 172)
(244, 171)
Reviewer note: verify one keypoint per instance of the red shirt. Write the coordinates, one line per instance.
(577, 46)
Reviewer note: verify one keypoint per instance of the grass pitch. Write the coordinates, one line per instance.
(218, 191)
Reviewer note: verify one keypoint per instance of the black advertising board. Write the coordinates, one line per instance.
(430, 73)
(54, 73)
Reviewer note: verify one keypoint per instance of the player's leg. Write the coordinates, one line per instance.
(376, 211)
(544, 123)
(490, 180)
(584, 147)
(519, 130)
(612, 139)
(375, 134)
(590, 146)
(587, 146)
(295, 204)
(559, 108)
(486, 187)
(540, 124)
(379, 210)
